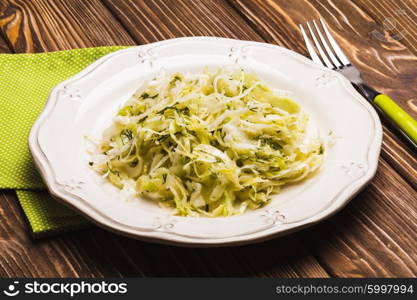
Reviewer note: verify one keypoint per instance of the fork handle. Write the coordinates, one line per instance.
(398, 115)
(370, 94)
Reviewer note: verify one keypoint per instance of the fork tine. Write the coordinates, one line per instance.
(310, 49)
(339, 53)
(326, 46)
(318, 46)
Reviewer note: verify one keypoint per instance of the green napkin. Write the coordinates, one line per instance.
(25, 83)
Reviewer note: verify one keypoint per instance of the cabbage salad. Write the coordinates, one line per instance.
(209, 144)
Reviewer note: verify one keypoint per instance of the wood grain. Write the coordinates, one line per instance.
(403, 161)
(373, 236)
(98, 253)
(155, 20)
(397, 18)
(39, 25)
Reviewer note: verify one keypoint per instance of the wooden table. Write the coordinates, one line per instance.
(375, 235)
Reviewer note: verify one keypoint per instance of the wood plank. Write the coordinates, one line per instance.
(375, 236)
(39, 25)
(154, 20)
(284, 256)
(88, 253)
(97, 253)
(403, 161)
(397, 18)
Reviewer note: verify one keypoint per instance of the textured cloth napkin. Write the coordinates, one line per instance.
(25, 83)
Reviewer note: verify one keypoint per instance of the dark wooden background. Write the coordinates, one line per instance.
(375, 235)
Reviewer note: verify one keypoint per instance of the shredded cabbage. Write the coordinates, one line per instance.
(212, 144)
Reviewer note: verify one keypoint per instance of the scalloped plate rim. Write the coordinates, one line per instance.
(166, 237)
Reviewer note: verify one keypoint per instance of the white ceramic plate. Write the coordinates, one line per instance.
(85, 104)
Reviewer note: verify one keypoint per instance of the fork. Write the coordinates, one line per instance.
(333, 57)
